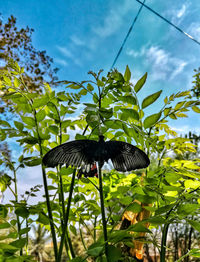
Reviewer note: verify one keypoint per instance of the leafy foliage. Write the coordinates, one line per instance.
(168, 189)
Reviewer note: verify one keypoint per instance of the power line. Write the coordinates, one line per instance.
(166, 20)
(127, 35)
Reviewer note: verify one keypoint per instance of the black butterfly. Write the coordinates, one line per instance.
(88, 171)
(124, 156)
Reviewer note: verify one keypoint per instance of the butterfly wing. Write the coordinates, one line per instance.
(126, 157)
(72, 153)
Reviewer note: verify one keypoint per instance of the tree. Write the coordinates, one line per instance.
(196, 87)
(17, 44)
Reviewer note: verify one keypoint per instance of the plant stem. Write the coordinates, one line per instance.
(16, 199)
(103, 210)
(66, 218)
(53, 233)
(95, 224)
(164, 242)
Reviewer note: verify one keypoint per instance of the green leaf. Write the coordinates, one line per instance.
(28, 120)
(195, 252)
(33, 162)
(3, 211)
(74, 86)
(195, 224)
(196, 109)
(128, 99)
(164, 209)
(43, 219)
(90, 87)
(95, 250)
(127, 74)
(134, 207)
(16, 82)
(22, 212)
(4, 225)
(114, 124)
(128, 131)
(150, 99)
(66, 123)
(65, 137)
(173, 116)
(24, 230)
(73, 229)
(40, 115)
(167, 110)
(29, 140)
(19, 243)
(129, 113)
(179, 105)
(83, 92)
(106, 113)
(8, 247)
(19, 125)
(156, 220)
(38, 102)
(54, 129)
(4, 123)
(140, 83)
(119, 235)
(151, 120)
(188, 209)
(114, 253)
(126, 200)
(138, 228)
(66, 171)
(95, 98)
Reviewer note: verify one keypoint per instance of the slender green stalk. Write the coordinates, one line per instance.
(16, 199)
(72, 254)
(82, 239)
(95, 231)
(53, 233)
(103, 210)
(66, 218)
(164, 242)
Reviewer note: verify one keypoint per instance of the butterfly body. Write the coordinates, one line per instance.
(124, 156)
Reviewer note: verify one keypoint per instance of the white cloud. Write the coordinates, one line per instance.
(61, 62)
(67, 53)
(114, 19)
(181, 11)
(176, 15)
(163, 64)
(77, 41)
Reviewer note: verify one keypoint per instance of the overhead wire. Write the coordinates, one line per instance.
(136, 17)
(166, 20)
(127, 35)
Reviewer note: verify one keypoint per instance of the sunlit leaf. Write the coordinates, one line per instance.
(196, 109)
(151, 120)
(129, 113)
(128, 99)
(28, 120)
(38, 102)
(127, 74)
(140, 83)
(150, 99)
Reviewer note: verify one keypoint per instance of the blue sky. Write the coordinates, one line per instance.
(83, 35)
